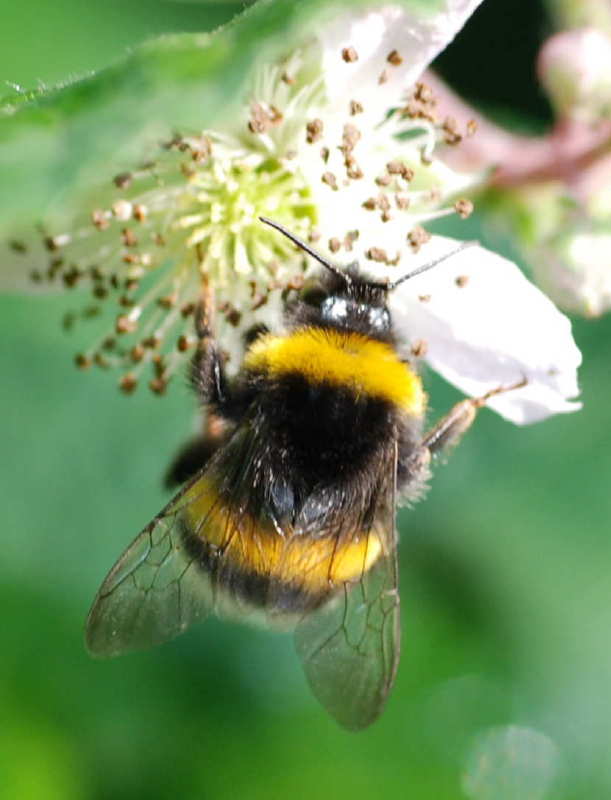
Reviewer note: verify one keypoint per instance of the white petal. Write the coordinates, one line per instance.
(418, 34)
(492, 330)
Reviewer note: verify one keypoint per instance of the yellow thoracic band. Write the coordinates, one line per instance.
(346, 359)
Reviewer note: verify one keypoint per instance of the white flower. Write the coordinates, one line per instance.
(482, 324)
(575, 269)
(335, 143)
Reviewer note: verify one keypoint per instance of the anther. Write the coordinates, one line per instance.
(125, 324)
(123, 180)
(101, 361)
(259, 121)
(417, 237)
(463, 207)
(452, 136)
(140, 212)
(419, 348)
(402, 201)
(82, 361)
(184, 343)
(314, 130)
(55, 242)
(71, 277)
(350, 136)
(129, 238)
(158, 385)
(169, 301)
(377, 254)
(136, 354)
(128, 383)
(350, 239)
(100, 219)
(399, 168)
(330, 179)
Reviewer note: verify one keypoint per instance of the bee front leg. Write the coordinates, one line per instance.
(207, 369)
(449, 430)
(207, 376)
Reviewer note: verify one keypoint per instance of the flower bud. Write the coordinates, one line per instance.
(575, 270)
(575, 69)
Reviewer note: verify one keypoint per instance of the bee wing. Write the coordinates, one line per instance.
(350, 646)
(156, 589)
(153, 592)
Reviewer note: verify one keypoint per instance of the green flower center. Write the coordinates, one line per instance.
(221, 216)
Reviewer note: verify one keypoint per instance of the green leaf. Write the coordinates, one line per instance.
(59, 145)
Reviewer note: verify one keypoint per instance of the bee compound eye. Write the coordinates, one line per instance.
(313, 295)
(379, 318)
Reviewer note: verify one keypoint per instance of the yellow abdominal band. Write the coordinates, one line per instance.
(342, 359)
(252, 548)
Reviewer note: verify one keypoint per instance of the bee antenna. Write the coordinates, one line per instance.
(430, 265)
(309, 250)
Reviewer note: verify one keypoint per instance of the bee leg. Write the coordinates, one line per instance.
(207, 373)
(449, 430)
(207, 377)
(413, 467)
(196, 453)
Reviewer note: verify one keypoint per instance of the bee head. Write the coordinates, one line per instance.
(347, 299)
(344, 297)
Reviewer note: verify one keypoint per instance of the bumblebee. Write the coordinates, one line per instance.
(287, 509)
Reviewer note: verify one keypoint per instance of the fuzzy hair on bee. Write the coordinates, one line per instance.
(286, 511)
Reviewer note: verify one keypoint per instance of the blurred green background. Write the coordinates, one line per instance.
(505, 567)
